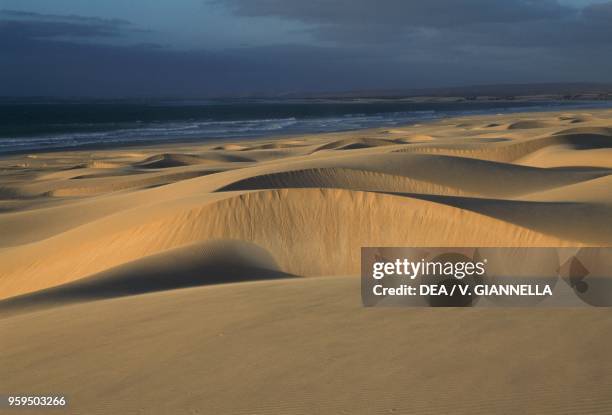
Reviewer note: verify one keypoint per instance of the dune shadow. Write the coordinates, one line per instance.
(565, 220)
(170, 160)
(587, 141)
(200, 264)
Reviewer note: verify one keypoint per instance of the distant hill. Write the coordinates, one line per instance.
(500, 91)
(542, 91)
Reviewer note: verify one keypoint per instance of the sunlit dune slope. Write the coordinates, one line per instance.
(309, 202)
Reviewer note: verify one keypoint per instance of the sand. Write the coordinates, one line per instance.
(223, 277)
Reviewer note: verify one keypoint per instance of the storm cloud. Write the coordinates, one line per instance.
(507, 23)
(348, 45)
(401, 13)
(27, 25)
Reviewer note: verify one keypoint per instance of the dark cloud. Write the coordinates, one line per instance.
(27, 25)
(369, 45)
(599, 12)
(18, 14)
(60, 68)
(518, 39)
(432, 13)
(45, 55)
(441, 23)
(387, 20)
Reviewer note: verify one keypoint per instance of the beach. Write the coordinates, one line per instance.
(223, 277)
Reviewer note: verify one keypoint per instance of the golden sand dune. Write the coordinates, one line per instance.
(513, 150)
(307, 346)
(565, 155)
(462, 174)
(414, 138)
(230, 147)
(378, 193)
(277, 145)
(342, 178)
(107, 183)
(406, 173)
(274, 154)
(602, 131)
(215, 262)
(166, 160)
(575, 118)
(182, 231)
(596, 191)
(566, 220)
(355, 143)
(22, 227)
(527, 124)
(336, 220)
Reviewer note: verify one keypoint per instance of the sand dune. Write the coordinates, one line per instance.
(512, 151)
(101, 185)
(337, 220)
(479, 177)
(565, 220)
(166, 160)
(181, 232)
(575, 118)
(342, 178)
(220, 261)
(595, 191)
(379, 192)
(230, 147)
(566, 156)
(604, 131)
(355, 143)
(305, 346)
(277, 145)
(527, 124)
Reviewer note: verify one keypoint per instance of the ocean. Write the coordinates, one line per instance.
(45, 125)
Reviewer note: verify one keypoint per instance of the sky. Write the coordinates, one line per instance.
(207, 48)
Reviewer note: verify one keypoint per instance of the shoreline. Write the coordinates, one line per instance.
(183, 141)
